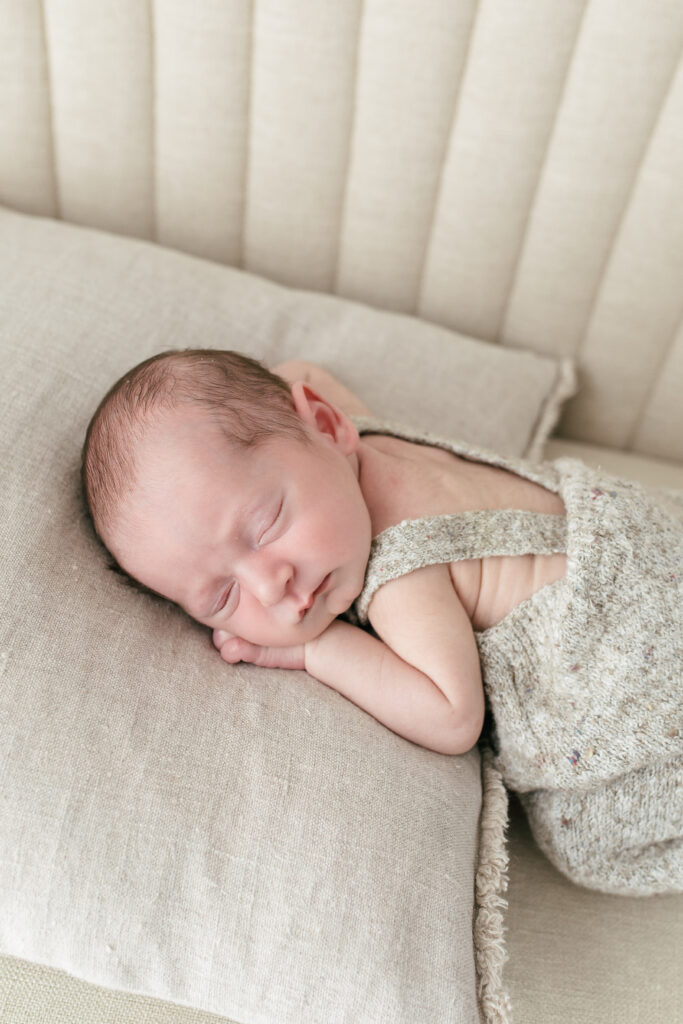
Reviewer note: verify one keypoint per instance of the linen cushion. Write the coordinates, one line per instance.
(240, 841)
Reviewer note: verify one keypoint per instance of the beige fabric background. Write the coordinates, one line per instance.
(573, 955)
(509, 170)
(587, 957)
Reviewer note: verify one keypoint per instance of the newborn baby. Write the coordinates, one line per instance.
(552, 593)
(252, 505)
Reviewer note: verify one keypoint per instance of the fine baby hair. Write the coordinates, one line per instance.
(241, 396)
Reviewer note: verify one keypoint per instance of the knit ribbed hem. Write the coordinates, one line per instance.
(491, 883)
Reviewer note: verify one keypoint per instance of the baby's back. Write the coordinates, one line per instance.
(403, 480)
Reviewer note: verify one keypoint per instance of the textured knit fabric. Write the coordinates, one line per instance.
(584, 678)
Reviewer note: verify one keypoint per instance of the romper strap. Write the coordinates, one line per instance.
(452, 537)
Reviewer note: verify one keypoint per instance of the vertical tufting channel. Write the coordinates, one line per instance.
(101, 110)
(506, 112)
(301, 110)
(202, 57)
(659, 429)
(410, 62)
(349, 145)
(27, 179)
(620, 74)
(634, 401)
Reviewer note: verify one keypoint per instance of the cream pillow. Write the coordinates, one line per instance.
(237, 840)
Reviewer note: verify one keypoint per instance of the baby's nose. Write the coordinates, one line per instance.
(270, 585)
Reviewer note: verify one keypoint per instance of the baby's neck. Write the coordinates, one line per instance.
(373, 471)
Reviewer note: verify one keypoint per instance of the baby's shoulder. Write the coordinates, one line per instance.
(410, 481)
(403, 480)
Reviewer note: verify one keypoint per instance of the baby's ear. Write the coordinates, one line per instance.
(324, 417)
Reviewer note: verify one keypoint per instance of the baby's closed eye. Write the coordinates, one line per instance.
(228, 596)
(274, 520)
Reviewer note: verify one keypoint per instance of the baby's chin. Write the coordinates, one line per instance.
(302, 632)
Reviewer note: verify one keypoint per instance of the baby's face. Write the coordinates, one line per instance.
(270, 545)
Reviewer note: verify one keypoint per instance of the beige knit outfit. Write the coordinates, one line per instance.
(584, 679)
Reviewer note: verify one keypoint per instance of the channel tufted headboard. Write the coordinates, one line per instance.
(510, 170)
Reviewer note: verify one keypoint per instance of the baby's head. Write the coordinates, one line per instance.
(215, 485)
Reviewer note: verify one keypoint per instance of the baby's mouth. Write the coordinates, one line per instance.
(323, 585)
(311, 600)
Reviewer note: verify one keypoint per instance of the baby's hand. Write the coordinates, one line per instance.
(233, 649)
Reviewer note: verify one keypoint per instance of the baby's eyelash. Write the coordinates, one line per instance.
(277, 516)
(224, 599)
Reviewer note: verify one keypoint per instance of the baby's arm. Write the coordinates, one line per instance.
(368, 672)
(425, 686)
(324, 383)
(423, 677)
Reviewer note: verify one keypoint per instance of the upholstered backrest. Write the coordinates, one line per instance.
(511, 170)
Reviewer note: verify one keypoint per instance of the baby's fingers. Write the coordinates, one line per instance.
(219, 636)
(233, 649)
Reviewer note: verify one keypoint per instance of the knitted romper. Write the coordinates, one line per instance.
(584, 679)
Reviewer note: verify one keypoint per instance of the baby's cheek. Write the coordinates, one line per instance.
(255, 631)
(314, 625)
